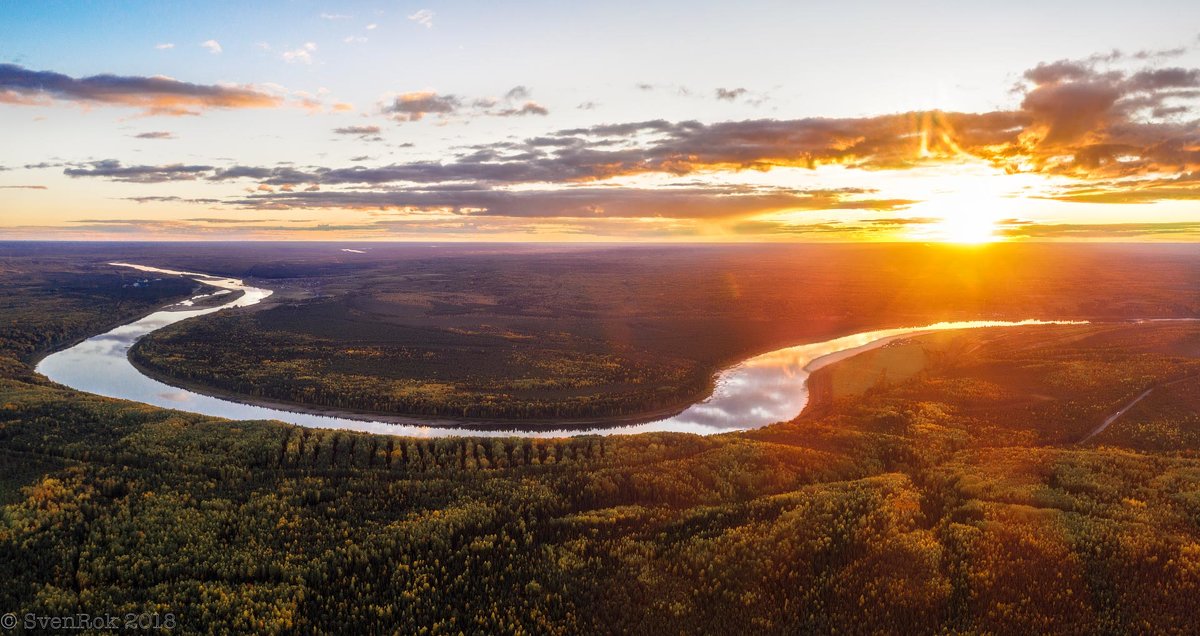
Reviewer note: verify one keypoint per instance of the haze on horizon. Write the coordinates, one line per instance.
(660, 121)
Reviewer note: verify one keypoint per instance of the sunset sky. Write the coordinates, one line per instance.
(649, 121)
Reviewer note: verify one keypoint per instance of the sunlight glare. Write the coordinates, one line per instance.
(966, 208)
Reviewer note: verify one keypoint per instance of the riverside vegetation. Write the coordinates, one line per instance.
(936, 486)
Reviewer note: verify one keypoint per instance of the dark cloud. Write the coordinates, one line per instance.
(415, 106)
(112, 169)
(888, 141)
(361, 131)
(1089, 120)
(23, 187)
(158, 134)
(1160, 53)
(243, 172)
(154, 95)
(424, 172)
(528, 108)
(518, 93)
(1060, 71)
(1162, 79)
(1069, 111)
(730, 94)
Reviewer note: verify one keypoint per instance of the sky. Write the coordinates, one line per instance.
(448, 120)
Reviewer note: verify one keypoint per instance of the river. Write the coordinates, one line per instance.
(761, 390)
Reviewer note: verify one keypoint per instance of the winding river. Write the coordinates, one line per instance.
(762, 390)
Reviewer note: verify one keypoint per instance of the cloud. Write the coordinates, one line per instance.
(1103, 230)
(335, 16)
(363, 133)
(581, 202)
(24, 187)
(740, 95)
(1094, 122)
(1159, 54)
(164, 46)
(213, 46)
(171, 199)
(528, 108)
(155, 95)
(357, 130)
(677, 89)
(729, 94)
(416, 105)
(423, 17)
(1011, 228)
(157, 134)
(678, 148)
(112, 169)
(379, 227)
(197, 227)
(301, 54)
(216, 220)
(1183, 187)
(1089, 118)
(757, 227)
(354, 39)
(517, 93)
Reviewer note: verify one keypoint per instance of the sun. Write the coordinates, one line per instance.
(966, 227)
(966, 218)
(967, 207)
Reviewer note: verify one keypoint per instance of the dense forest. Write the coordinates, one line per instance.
(435, 373)
(538, 334)
(937, 486)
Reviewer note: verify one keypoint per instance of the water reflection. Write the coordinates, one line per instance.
(761, 390)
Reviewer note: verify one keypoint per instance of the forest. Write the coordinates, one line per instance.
(937, 486)
(609, 333)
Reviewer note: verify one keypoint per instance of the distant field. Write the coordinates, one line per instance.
(605, 332)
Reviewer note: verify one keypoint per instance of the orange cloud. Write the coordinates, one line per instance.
(154, 95)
